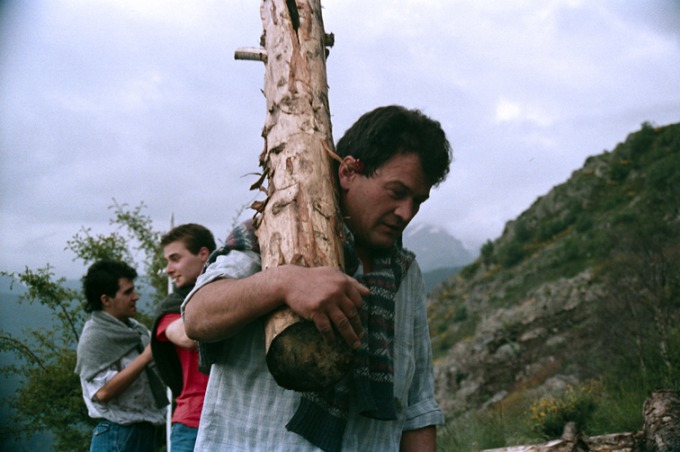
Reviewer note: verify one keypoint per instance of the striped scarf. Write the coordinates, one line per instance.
(322, 416)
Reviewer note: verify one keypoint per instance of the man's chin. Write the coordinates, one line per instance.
(383, 245)
(177, 282)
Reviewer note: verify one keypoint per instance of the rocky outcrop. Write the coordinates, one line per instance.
(517, 347)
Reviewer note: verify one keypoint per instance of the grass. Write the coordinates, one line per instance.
(501, 426)
(607, 406)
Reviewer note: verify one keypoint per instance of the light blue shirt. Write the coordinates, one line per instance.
(246, 410)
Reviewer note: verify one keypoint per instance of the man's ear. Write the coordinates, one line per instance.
(348, 170)
(204, 254)
(105, 299)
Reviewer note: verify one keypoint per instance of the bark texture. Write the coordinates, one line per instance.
(662, 421)
(299, 222)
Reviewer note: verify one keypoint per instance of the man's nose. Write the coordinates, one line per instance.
(406, 210)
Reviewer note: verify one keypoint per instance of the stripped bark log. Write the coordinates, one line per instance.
(662, 421)
(299, 222)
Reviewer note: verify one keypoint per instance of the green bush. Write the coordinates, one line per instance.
(522, 232)
(619, 169)
(469, 271)
(461, 314)
(550, 414)
(583, 223)
(487, 252)
(510, 254)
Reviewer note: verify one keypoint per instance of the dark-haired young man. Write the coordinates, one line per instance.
(390, 159)
(186, 249)
(114, 362)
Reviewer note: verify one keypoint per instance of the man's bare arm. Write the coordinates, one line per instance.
(177, 335)
(324, 295)
(123, 379)
(421, 440)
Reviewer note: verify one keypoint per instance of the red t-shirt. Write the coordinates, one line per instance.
(190, 402)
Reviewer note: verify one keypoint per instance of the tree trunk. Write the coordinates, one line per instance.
(662, 421)
(300, 221)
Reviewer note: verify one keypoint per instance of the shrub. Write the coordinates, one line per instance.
(461, 314)
(550, 414)
(469, 271)
(487, 252)
(511, 254)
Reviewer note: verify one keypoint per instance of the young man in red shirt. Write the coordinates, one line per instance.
(186, 249)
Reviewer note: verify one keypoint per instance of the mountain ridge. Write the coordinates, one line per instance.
(533, 314)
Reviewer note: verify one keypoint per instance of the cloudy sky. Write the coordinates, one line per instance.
(142, 101)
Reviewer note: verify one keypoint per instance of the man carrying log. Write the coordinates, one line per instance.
(389, 160)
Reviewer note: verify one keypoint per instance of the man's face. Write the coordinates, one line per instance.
(124, 304)
(182, 266)
(378, 208)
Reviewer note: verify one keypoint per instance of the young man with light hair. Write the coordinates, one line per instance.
(186, 249)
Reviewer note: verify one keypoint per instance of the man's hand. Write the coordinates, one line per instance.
(328, 297)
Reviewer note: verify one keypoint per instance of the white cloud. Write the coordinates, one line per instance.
(507, 110)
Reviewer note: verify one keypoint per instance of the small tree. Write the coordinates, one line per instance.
(644, 296)
(49, 397)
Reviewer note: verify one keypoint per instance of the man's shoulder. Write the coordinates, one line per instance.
(88, 328)
(241, 238)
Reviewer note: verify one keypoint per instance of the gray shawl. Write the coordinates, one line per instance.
(105, 340)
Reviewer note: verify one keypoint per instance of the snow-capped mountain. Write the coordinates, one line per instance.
(435, 247)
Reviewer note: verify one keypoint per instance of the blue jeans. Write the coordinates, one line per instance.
(182, 438)
(108, 436)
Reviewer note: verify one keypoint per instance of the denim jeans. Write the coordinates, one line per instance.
(182, 438)
(108, 436)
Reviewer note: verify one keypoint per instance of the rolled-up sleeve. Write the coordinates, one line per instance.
(422, 409)
(234, 265)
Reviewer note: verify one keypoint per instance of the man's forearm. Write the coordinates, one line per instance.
(123, 379)
(177, 335)
(221, 308)
(324, 295)
(421, 440)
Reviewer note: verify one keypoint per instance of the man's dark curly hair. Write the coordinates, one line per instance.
(194, 236)
(102, 279)
(386, 131)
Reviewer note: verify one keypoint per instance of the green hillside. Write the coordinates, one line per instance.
(582, 287)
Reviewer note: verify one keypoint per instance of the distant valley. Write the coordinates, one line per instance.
(439, 254)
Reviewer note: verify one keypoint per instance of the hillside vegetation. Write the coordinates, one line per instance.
(581, 293)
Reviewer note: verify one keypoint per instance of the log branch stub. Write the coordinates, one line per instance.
(251, 53)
